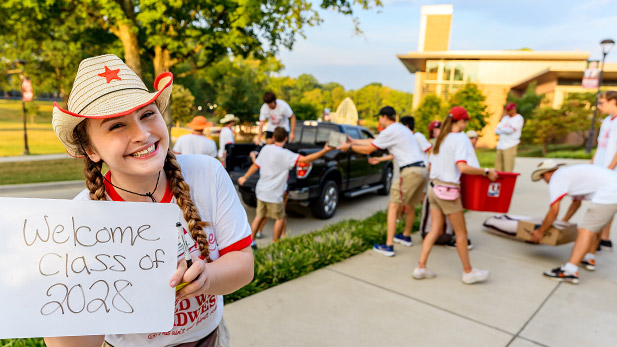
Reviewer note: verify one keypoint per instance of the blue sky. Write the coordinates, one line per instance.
(332, 53)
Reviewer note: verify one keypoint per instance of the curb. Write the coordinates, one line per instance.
(41, 186)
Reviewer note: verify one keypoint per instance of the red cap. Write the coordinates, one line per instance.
(458, 113)
(510, 106)
(432, 125)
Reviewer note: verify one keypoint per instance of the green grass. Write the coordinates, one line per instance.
(41, 171)
(33, 342)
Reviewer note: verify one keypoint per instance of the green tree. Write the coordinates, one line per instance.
(431, 108)
(304, 111)
(182, 104)
(548, 125)
(472, 99)
(578, 109)
(528, 103)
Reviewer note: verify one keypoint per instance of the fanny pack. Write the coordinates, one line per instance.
(445, 192)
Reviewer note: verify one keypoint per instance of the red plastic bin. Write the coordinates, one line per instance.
(480, 194)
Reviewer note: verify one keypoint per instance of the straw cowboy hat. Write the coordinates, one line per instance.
(544, 167)
(104, 88)
(229, 118)
(198, 123)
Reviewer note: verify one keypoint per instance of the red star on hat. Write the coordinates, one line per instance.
(110, 74)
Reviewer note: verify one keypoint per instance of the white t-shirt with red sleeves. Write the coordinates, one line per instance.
(277, 117)
(195, 144)
(274, 163)
(400, 142)
(584, 180)
(607, 142)
(226, 136)
(217, 202)
(424, 145)
(454, 148)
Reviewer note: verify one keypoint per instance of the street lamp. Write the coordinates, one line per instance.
(606, 46)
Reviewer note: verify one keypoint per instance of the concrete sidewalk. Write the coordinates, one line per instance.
(372, 300)
(20, 158)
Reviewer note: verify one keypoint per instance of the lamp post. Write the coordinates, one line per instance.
(606, 46)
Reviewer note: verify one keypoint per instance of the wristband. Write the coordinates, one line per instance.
(350, 147)
(486, 172)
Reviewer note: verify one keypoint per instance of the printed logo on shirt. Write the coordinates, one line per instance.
(275, 119)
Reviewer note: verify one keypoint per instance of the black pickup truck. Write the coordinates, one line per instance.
(320, 184)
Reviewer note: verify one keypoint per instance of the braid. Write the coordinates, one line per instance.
(94, 180)
(181, 191)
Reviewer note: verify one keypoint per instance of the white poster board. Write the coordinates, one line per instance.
(72, 268)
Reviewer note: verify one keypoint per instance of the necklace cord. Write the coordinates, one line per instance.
(150, 194)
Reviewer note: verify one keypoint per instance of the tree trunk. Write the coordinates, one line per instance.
(131, 47)
(545, 148)
(161, 64)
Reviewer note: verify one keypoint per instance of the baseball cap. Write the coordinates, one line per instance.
(471, 134)
(458, 113)
(510, 106)
(386, 111)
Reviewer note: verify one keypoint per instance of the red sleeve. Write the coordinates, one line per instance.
(559, 198)
(238, 246)
(428, 149)
(297, 160)
(461, 161)
(373, 144)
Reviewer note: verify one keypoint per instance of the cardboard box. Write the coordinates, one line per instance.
(558, 234)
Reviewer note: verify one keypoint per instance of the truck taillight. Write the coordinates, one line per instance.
(303, 169)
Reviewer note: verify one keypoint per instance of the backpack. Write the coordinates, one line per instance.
(425, 225)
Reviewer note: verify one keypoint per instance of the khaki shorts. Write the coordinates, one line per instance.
(270, 210)
(598, 216)
(448, 207)
(408, 189)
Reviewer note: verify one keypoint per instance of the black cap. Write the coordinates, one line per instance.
(386, 111)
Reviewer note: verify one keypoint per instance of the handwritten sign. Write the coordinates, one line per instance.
(86, 267)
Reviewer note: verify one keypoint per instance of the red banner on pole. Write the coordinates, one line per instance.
(591, 77)
(26, 90)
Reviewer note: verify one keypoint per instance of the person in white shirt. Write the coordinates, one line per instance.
(196, 142)
(226, 136)
(278, 114)
(274, 163)
(448, 161)
(509, 130)
(408, 189)
(599, 185)
(606, 154)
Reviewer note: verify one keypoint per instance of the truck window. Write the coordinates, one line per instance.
(323, 133)
(352, 132)
(366, 135)
(308, 135)
(298, 134)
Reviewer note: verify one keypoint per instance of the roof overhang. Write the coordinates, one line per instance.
(416, 61)
(551, 74)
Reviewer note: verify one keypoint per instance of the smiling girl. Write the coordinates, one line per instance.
(111, 118)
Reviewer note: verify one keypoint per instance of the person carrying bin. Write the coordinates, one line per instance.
(585, 180)
(447, 163)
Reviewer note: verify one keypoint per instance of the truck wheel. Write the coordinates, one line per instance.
(327, 202)
(386, 181)
(249, 199)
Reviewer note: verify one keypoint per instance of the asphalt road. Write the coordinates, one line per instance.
(299, 219)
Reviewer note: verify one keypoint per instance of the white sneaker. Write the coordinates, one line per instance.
(258, 235)
(475, 276)
(422, 273)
